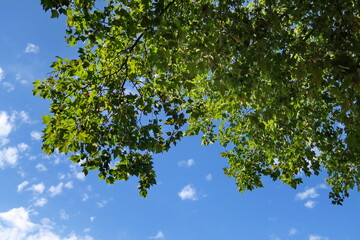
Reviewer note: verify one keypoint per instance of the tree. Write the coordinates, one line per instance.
(275, 82)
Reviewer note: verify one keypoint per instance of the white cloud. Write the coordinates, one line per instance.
(102, 203)
(57, 160)
(64, 215)
(274, 237)
(314, 237)
(8, 157)
(6, 127)
(37, 188)
(322, 186)
(2, 74)
(18, 218)
(80, 176)
(18, 78)
(62, 176)
(23, 116)
(22, 147)
(7, 124)
(92, 219)
(208, 177)
(309, 193)
(159, 235)
(292, 231)
(22, 185)
(36, 135)
(188, 192)
(44, 234)
(40, 202)
(85, 197)
(317, 237)
(31, 48)
(69, 185)
(187, 163)
(8, 86)
(40, 167)
(22, 173)
(15, 224)
(310, 204)
(56, 190)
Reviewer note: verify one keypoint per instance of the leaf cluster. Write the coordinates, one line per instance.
(275, 82)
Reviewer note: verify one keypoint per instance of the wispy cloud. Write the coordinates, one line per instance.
(64, 215)
(69, 185)
(40, 202)
(188, 193)
(186, 163)
(322, 186)
(2, 74)
(80, 176)
(19, 115)
(8, 156)
(8, 86)
(56, 190)
(57, 160)
(85, 197)
(6, 126)
(159, 235)
(36, 135)
(37, 188)
(308, 193)
(102, 203)
(22, 147)
(19, 79)
(22, 185)
(208, 177)
(310, 204)
(31, 48)
(23, 116)
(317, 237)
(62, 176)
(274, 237)
(292, 231)
(40, 167)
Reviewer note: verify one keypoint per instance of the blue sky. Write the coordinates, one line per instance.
(45, 197)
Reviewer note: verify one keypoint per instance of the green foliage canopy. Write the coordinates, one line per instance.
(275, 82)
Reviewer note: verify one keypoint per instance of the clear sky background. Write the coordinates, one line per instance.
(45, 198)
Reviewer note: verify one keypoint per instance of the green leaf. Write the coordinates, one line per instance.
(54, 13)
(36, 84)
(46, 119)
